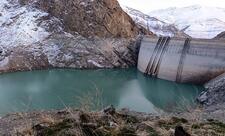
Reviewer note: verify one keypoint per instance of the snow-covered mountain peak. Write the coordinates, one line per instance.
(152, 24)
(197, 21)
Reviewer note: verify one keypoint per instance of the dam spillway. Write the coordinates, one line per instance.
(183, 60)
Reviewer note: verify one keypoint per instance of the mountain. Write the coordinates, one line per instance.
(152, 24)
(38, 34)
(196, 21)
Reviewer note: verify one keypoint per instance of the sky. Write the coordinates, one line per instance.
(147, 6)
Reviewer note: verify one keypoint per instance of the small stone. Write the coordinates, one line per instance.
(110, 110)
(171, 130)
(202, 97)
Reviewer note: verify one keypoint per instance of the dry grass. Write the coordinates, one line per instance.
(80, 123)
(91, 101)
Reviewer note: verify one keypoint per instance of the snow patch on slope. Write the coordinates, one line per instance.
(19, 25)
(95, 63)
(4, 62)
(52, 51)
(196, 21)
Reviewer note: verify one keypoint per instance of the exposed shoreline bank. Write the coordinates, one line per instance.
(106, 122)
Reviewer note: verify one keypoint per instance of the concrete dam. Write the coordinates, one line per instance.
(182, 60)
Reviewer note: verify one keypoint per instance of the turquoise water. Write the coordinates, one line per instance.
(123, 88)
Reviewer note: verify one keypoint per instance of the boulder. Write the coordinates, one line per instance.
(179, 131)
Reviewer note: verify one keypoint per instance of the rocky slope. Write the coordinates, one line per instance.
(196, 21)
(152, 24)
(38, 34)
(89, 18)
(67, 51)
(212, 99)
(214, 94)
(220, 36)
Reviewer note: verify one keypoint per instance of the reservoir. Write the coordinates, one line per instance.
(93, 89)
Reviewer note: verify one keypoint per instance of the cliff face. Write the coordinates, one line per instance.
(66, 34)
(103, 18)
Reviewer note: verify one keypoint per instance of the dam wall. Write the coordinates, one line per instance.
(182, 60)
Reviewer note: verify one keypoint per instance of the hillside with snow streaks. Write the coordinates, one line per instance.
(42, 34)
(22, 25)
(196, 21)
(152, 24)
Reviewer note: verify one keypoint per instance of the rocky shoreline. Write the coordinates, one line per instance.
(60, 51)
(212, 98)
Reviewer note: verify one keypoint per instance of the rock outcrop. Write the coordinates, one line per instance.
(66, 34)
(213, 98)
(215, 92)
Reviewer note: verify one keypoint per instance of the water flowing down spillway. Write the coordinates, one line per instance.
(124, 88)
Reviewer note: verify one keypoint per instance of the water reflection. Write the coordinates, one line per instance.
(168, 95)
(133, 98)
(128, 88)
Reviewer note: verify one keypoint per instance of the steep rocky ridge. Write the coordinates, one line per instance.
(44, 34)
